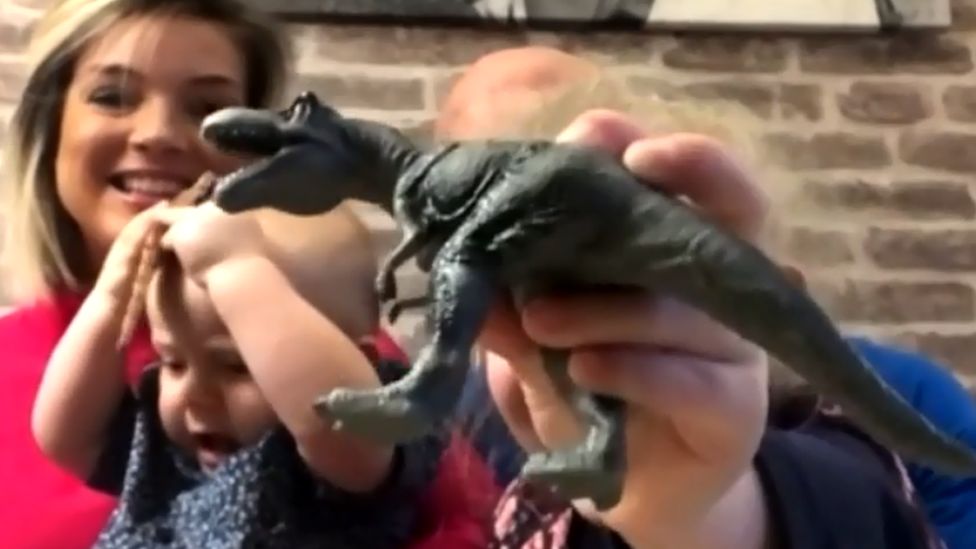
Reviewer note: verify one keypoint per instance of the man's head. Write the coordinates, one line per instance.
(207, 399)
(504, 87)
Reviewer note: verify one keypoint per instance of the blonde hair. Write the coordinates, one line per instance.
(329, 260)
(43, 248)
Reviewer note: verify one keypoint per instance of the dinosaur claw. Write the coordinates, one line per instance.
(375, 415)
(577, 474)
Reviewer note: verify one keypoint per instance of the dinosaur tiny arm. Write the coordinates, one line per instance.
(149, 260)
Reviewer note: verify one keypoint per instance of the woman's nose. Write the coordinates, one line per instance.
(160, 128)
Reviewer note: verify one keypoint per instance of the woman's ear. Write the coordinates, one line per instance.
(794, 275)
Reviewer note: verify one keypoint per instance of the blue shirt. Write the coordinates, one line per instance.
(936, 393)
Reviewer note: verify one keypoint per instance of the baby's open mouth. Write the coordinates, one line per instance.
(213, 448)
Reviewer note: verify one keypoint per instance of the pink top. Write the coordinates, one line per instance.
(43, 507)
(46, 508)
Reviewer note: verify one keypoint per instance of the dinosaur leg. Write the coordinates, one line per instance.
(425, 398)
(386, 286)
(594, 468)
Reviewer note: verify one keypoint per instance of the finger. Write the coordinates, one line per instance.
(630, 318)
(502, 333)
(705, 171)
(550, 415)
(608, 130)
(170, 215)
(506, 391)
(710, 398)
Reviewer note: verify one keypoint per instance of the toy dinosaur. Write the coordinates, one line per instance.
(527, 217)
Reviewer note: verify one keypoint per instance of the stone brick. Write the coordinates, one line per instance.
(885, 103)
(12, 81)
(827, 151)
(365, 91)
(422, 131)
(893, 302)
(963, 15)
(955, 351)
(912, 53)
(727, 54)
(960, 103)
(915, 199)
(14, 35)
(757, 97)
(801, 102)
(819, 248)
(620, 48)
(428, 47)
(951, 251)
(948, 151)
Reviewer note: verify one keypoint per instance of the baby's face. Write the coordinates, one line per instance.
(208, 403)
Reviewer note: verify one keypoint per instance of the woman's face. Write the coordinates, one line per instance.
(131, 116)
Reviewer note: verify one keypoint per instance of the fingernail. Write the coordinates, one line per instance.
(576, 131)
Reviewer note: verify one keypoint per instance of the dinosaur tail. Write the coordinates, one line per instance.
(817, 352)
(750, 294)
(679, 252)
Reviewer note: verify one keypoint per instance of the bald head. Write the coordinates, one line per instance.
(504, 86)
(328, 259)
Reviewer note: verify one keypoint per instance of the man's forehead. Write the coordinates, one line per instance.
(501, 83)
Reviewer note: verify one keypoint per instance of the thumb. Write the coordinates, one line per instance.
(170, 218)
(712, 404)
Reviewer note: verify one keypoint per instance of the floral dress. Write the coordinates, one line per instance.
(263, 497)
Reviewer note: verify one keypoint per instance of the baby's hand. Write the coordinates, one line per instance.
(205, 236)
(115, 279)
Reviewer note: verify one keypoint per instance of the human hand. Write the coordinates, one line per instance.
(697, 392)
(203, 237)
(114, 282)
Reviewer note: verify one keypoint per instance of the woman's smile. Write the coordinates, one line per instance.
(145, 188)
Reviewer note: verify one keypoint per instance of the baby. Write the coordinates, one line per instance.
(219, 446)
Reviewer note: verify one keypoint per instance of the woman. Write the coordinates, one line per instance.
(108, 127)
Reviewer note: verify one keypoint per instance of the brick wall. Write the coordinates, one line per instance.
(876, 124)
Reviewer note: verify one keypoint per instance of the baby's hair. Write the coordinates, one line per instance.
(329, 260)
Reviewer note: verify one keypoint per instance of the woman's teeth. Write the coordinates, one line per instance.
(153, 187)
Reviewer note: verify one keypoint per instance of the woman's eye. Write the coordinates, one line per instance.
(112, 97)
(201, 109)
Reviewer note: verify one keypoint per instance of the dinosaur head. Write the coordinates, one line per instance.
(305, 165)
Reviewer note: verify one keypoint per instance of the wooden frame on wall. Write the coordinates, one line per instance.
(863, 16)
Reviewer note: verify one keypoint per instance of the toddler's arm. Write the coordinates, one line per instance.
(295, 355)
(83, 395)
